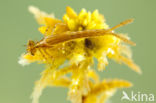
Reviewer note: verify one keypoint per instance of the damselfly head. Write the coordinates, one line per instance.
(31, 47)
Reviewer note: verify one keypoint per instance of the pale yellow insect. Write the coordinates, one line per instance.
(68, 36)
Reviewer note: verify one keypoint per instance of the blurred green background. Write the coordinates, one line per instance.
(17, 26)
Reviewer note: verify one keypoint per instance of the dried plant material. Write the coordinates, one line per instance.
(76, 40)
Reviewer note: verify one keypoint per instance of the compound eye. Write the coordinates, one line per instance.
(31, 43)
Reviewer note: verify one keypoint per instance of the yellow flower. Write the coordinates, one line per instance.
(69, 47)
(84, 20)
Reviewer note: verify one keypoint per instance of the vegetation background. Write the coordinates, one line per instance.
(17, 26)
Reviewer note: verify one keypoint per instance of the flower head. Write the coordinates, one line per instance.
(77, 39)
